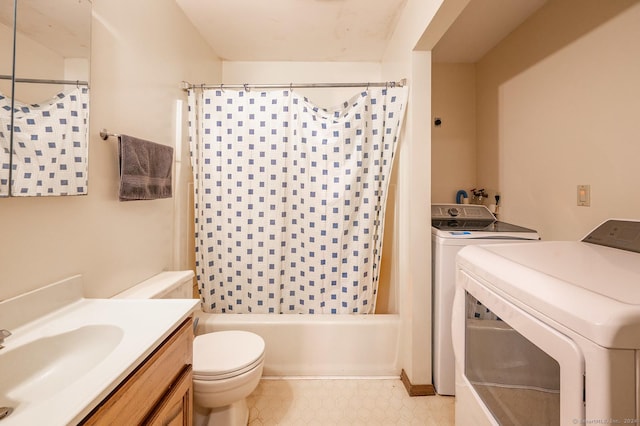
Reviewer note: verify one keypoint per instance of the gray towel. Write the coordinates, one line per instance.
(145, 169)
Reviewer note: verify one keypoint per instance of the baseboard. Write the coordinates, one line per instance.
(416, 390)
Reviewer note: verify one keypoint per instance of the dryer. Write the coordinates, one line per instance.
(454, 226)
(549, 333)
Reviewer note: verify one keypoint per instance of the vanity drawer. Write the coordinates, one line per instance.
(176, 408)
(151, 383)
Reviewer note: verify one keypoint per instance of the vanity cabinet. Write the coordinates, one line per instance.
(158, 392)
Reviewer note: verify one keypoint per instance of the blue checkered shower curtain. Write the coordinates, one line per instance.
(289, 198)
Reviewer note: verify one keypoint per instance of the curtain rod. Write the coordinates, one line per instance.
(44, 81)
(187, 86)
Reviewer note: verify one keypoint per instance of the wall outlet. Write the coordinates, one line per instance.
(584, 195)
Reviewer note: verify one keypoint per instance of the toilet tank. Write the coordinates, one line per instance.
(165, 285)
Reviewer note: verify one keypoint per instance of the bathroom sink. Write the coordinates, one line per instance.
(38, 369)
(67, 353)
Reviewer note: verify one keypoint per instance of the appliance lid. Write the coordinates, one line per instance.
(590, 289)
(478, 226)
(474, 221)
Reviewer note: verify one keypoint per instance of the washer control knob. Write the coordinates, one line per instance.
(453, 211)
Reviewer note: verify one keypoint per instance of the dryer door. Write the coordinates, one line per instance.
(518, 369)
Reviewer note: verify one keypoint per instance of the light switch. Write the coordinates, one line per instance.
(584, 195)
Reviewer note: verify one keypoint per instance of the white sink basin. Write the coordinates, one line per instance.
(67, 353)
(36, 370)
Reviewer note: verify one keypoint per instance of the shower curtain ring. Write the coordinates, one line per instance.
(246, 87)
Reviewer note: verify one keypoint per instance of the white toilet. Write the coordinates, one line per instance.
(223, 379)
(227, 365)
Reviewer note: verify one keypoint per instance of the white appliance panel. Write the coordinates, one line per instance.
(444, 277)
(471, 225)
(578, 302)
(507, 392)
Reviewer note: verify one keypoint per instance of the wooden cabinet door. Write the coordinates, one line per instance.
(148, 386)
(176, 407)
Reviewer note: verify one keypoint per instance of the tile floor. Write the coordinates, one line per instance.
(303, 402)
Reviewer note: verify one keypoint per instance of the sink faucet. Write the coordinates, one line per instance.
(3, 334)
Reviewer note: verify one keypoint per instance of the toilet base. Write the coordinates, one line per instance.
(236, 414)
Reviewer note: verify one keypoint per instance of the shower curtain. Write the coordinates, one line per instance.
(289, 198)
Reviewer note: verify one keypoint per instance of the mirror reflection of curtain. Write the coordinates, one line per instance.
(50, 145)
(290, 199)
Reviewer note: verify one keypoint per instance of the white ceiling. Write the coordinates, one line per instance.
(341, 30)
(295, 30)
(292, 30)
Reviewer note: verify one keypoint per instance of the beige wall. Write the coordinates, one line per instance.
(557, 106)
(33, 60)
(408, 54)
(453, 143)
(138, 61)
(6, 54)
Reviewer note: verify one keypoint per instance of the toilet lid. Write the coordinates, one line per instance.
(225, 354)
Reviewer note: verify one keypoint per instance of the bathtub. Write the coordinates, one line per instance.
(298, 345)
(319, 345)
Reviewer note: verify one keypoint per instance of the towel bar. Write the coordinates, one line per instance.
(105, 135)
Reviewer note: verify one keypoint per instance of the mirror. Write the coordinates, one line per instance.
(44, 97)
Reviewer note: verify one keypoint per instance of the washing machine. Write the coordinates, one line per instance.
(454, 226)
(549, 333)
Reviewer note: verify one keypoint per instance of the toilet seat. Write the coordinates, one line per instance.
(224, 354)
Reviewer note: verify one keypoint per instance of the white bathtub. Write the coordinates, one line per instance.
(319, 345)
(298, 345)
